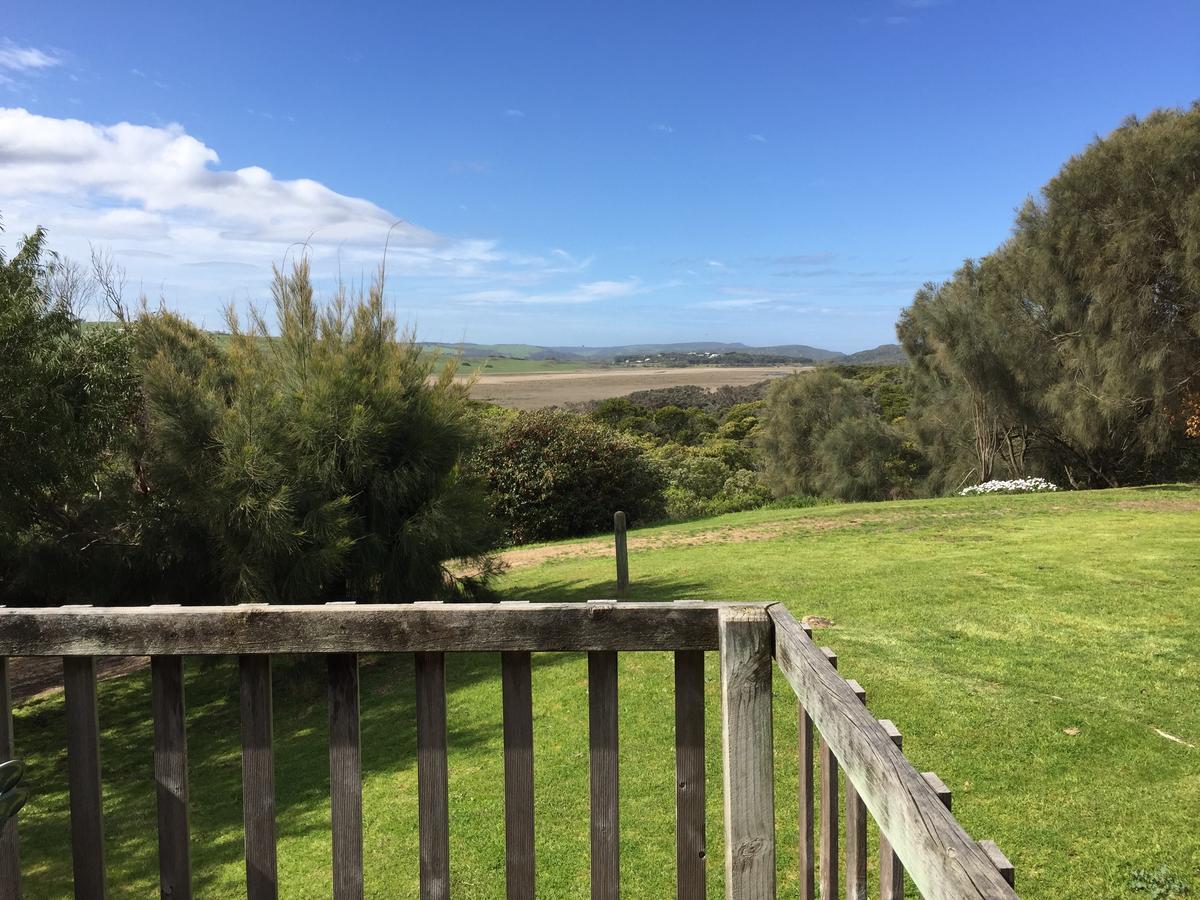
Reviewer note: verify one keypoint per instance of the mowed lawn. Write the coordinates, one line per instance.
(1038, 652)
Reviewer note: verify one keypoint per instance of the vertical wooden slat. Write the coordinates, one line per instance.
(622, 552)
(806, 848)
(517, 688)
(891, 870)
(605, 791)
(171, 776)
(258, 776)
(433, 787)
(829, 811)
(345, 776)
(10, 847)
(690, 849)
(939, 788)
(1000, 861)
(856, 829)
(746, 738)
(83, 776)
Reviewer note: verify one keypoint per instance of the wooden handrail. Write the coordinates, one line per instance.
(358, 628)
(941, 858)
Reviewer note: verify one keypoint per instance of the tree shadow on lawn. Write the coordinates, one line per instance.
(580, 590)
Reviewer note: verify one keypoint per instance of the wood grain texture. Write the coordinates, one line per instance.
(690, 840)
(806, 832)
(345, 776)
(748, 765)
(941, 858)
(517, 690)
(258, 777)
(171, 776)
(10, 845)
(433, 787)
(604, 773)
(83, 777)
(621, 543)
(856, 829)
(361, 628)
(891, 870)
(1002, 863)
(828, 775)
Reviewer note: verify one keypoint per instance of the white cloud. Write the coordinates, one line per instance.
(15, 58)
(756, 138)
(514, 113)
(662, 128)
(587, 292)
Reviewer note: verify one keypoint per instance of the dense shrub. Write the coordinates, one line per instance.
(555, 474)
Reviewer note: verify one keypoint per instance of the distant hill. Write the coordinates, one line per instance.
(881, 355)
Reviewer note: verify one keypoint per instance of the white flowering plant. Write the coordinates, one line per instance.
(1012, 486)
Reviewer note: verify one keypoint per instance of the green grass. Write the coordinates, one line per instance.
(984, 627)
(503, 365)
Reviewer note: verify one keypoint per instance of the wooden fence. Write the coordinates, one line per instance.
(917, 832)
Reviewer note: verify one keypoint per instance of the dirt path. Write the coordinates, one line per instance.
(540, 389)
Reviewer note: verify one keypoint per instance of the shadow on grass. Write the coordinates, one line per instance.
(581, 590)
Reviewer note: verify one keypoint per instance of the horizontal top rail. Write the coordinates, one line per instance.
(358, 628)
(943, 861)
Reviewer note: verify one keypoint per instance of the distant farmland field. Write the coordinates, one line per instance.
(538, 390)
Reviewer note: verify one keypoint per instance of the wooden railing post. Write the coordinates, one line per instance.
(345, 776)
(604, 770)
(856, 828)
(829, 810)
(891, 870)
(517, 688)
(622, 551)
(690, 839)
(83, 776)
(748, 763)
(10, 848)
(804, 799)
(171, 776)
(433, 813)
(258, 777)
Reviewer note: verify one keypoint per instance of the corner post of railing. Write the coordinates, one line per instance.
(746, 637)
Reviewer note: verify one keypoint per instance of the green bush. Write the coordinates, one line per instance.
(553, 474)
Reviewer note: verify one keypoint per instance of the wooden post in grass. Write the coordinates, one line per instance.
(622, 547)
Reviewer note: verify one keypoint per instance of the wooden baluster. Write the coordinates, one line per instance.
(804, 799)
(939, 788)
(345, 776)
(83, 776)
(891, 870)
(433, 790)
(10, 846)
(621, 545)
(829, 811)
(856, 828)
(748, 764)
(1000, 861)
(171, 776)
(690, 849)
(517, 688)
(258, 777)
(602, 743)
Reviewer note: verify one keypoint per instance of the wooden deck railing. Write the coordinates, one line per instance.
(917, 830)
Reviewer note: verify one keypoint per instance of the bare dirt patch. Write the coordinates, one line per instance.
(541, 389)
(1160, 505)
(40, 676)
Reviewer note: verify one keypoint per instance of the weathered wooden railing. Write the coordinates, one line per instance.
(917, 831)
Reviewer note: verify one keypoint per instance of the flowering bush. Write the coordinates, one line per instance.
(1015, 486)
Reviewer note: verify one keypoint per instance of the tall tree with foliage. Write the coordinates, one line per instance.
(325, 461)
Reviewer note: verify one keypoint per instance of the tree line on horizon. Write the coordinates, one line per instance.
(152, 462)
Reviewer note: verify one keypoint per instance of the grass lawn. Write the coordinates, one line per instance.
(504, 365)
(1028, 647)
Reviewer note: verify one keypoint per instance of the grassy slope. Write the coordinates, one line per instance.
(983, 627)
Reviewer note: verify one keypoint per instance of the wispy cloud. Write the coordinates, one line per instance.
(587, 292)
(470, 166)
(662, 128)
(798, 259)
(16, 58)
(514, 113)
(756, 138)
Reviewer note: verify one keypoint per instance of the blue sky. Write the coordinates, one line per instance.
(568, 173)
